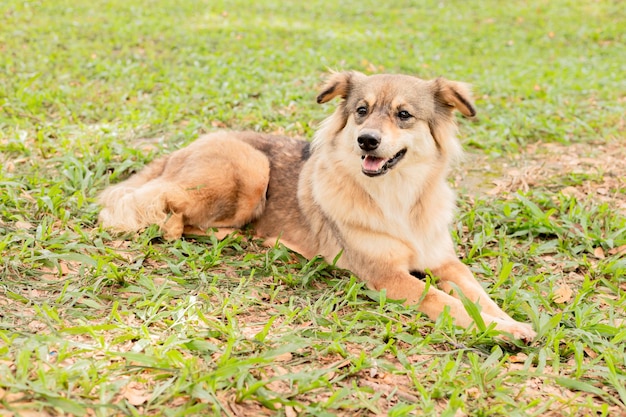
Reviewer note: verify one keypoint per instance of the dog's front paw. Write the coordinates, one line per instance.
(521, 331)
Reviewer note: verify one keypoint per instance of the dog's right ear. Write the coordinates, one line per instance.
(454, 95)
(338, 84)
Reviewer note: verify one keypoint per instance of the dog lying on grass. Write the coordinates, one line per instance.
(371, 187)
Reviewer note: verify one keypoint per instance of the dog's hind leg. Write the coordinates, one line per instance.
(130, 209)
(217, 181)
(120, 212)
(224, 186)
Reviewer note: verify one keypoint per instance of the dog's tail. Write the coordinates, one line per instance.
(135, 203)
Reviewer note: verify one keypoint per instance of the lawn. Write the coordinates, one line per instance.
(97, 324)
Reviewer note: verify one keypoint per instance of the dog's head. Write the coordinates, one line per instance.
(386, 119)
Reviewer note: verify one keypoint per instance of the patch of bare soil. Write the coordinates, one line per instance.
(595, 171)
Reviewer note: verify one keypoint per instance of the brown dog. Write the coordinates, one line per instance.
(371, 187)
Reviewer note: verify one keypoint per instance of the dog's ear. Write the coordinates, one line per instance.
(454, 95)
(338, 84)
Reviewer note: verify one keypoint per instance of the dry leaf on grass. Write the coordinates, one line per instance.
(290, 411)
(573, 192)
(135, 393)
(10, 397)
(518, 358)
(389, 390)
(590, 352)
(618, 251)
(599, 253)
(284, 357)
(23, 225)
(562, 294)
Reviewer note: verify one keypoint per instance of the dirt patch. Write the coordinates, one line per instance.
(595, 171)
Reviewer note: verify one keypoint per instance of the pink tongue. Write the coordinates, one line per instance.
(371, 163)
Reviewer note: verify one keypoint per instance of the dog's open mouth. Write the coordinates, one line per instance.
(373, 166)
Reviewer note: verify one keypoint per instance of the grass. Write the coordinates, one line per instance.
(94, 324)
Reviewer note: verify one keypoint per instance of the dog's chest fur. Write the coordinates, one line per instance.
(395, 202)
(400, 212)
(387, 215)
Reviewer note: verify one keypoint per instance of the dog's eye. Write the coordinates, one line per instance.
(404, 115)
(361, 111)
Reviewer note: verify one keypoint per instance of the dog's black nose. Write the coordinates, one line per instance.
(368, 141)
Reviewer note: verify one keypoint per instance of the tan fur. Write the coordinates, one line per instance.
(199, 186)
(386, 210)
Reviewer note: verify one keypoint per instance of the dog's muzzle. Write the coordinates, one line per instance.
(373, 166)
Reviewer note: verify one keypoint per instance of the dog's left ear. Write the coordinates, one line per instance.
(454, 95)
(338, 84)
